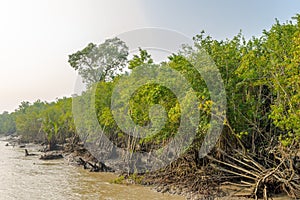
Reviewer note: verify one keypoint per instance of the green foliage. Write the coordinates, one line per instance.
(29, 120)
(261, 77)
(7, 123)
(43, 122)
(262, 83)
(137, 179)
(132, 178)
(119, 180)
(100, 63)
(57, 122)
(283, 45)
(142, 59)
(144, 99)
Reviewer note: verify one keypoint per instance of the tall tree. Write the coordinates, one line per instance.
(100, 63)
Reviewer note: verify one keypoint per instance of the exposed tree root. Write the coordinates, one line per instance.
(257, 180)
(240, 173)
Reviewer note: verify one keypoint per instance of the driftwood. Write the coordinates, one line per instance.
(97, 167)
(29, 154)
(13, 144)
(51, 156)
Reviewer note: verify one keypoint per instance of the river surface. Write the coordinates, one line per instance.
(30, 178)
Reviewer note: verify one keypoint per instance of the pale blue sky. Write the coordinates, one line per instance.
(220, 18)
(36, 36)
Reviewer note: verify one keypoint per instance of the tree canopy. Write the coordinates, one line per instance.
(261, 77)
(100, 62)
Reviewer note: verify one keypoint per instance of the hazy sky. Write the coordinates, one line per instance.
(36, 36)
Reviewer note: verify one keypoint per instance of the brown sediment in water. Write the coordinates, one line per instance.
(31, 178)
(187, 177)
(183, 177)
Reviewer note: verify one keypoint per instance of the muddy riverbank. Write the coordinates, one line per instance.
(31, 178)
(28, 177)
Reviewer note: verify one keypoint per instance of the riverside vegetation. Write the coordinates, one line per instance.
(257, 153)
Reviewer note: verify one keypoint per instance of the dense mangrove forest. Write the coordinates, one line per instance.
(257, 154)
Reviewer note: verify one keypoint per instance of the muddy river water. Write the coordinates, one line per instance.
(30, 178)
